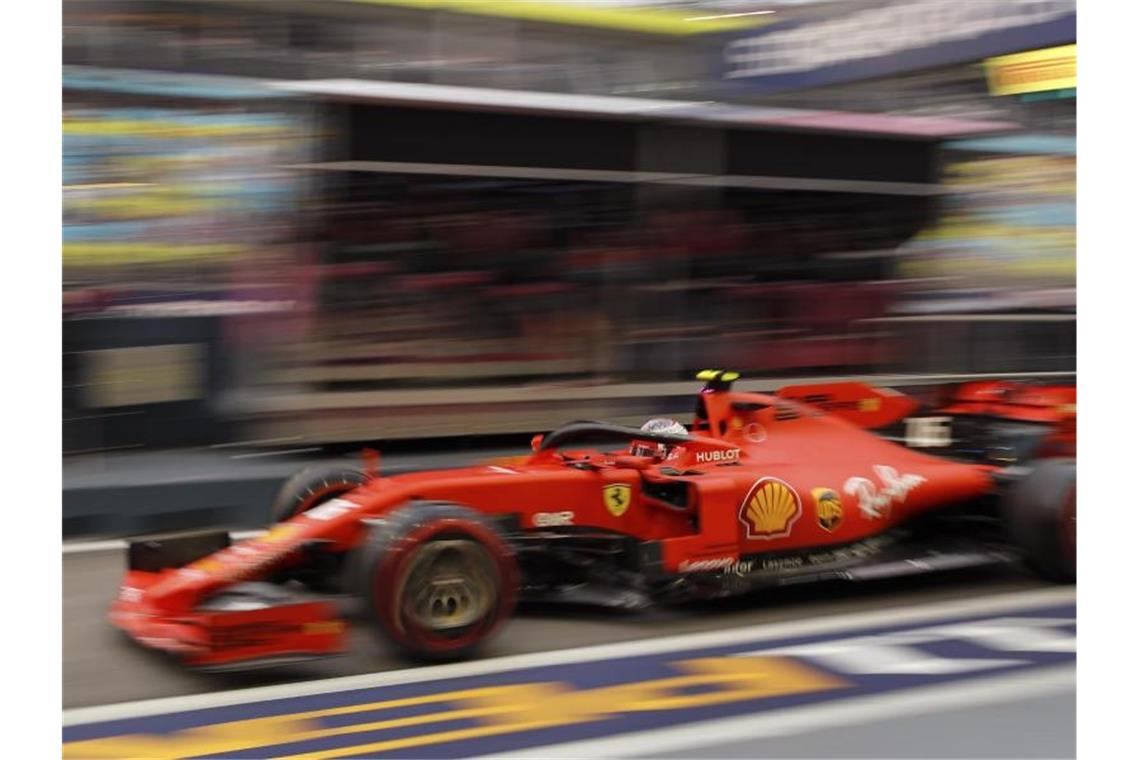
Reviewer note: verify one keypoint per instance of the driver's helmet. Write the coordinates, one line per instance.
(657, 426)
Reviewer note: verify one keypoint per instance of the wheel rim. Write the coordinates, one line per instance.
(449, 586)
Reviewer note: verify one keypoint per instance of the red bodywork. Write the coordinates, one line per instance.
(1054, 405)
(760, 474)
(1013, 401)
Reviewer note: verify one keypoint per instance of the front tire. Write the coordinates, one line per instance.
(319, 570)
(312, 487)
(438, 580)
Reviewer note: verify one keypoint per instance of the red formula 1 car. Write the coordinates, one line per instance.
(761, 490)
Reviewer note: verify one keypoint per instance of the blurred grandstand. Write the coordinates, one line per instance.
(343, 221)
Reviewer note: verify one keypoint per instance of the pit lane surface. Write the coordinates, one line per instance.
(101, 666)
(986, 676)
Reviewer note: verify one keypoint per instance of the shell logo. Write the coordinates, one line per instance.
(770, 509)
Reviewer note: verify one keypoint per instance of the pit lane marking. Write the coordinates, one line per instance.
(503, 709)
(797, 720)
(756, 633)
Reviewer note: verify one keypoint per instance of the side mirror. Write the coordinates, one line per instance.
(631, 462)
(536, 442)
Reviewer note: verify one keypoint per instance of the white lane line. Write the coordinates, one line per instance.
(709, 735)
(281, 453)
(979, 605)
(83, 547)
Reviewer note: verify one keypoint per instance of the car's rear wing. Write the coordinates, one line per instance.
(858, 403)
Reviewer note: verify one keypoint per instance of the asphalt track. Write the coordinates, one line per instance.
(101, 666)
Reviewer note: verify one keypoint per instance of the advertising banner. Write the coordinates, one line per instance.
(893, 39)
(1035, 71)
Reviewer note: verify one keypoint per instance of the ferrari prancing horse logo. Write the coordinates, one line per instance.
(616, 497)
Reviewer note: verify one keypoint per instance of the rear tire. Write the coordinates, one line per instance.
(1041, 517)
(437, 580)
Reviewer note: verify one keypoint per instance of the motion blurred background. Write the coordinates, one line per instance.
(312, 222)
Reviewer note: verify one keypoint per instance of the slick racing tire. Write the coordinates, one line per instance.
(437, 580)
(1041, 517)
(309, 488)
(312, 487)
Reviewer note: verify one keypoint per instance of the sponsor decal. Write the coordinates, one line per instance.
(829, 403)
(282, 532)
(875, 501)
(741, 569)
(553, 519)
(725, 565)
(240, 558)
(755, 433)
(780, 563)
(828, 508)
(323, 627)
(705, 457)
(761, 565)
(209, 565)
(331, 510)
(770, 509)
(250, 634)
(617, 497)
(706, 565)
(130, 594)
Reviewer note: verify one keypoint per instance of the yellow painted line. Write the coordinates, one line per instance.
(510, 708)
(645, 20)
(741, 680)
(241, 735)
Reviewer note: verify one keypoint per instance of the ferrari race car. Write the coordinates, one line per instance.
(760, 491)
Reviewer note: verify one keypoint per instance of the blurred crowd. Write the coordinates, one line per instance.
(446, 280)
(572, 283)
